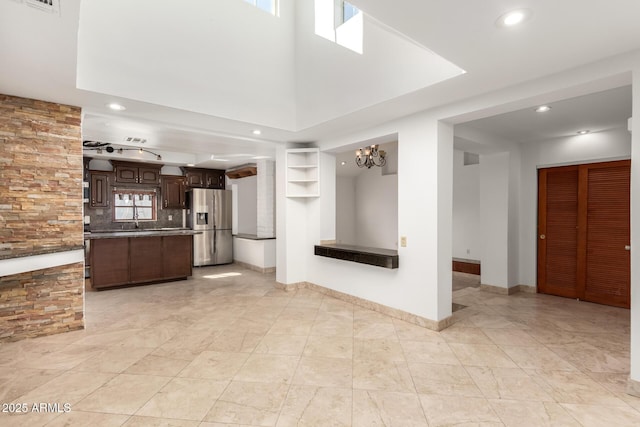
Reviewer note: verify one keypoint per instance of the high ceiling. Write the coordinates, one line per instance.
(48, 56)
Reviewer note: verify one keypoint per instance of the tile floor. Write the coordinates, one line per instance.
(227, 348)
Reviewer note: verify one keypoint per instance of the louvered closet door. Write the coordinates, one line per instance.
(608, 263)
(583, 232)
(557, 231)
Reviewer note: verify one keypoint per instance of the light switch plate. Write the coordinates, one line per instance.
(403, 241)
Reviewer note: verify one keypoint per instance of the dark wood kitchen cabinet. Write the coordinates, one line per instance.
(109, 262)
(99, 189)
(123, 261)
(195, 178)
(214, 178)
(173, 192)
(145, 259)
(175, 253)
(136, 173)
(204, 178)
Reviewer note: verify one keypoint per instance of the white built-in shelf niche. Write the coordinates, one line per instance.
(303, 172)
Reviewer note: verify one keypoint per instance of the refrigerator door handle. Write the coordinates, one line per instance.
(215, 240)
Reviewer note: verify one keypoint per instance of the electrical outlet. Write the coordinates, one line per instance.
(468, 251)
(171, 218)
(403, 241)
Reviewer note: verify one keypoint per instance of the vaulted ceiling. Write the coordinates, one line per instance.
(200, 76)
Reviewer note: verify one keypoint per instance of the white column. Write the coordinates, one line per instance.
(291, 229)
(266, 181)
(445, 219)
(634, 377)
(494, 219)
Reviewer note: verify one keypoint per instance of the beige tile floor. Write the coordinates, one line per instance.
(226, 348)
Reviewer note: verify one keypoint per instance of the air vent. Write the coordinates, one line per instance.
(132, 140)
(51, 6)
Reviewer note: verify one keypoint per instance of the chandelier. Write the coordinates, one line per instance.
(370, 156)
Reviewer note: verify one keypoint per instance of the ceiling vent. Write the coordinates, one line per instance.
(51, 6)
(132, 140)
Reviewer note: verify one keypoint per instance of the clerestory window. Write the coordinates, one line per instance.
(266, 5)
(341, 22)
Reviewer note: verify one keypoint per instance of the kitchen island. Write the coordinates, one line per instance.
(123, 258)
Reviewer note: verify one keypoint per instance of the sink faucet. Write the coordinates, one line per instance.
(136, 217)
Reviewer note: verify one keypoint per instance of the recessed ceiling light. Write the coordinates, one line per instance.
(257, 132)
(190, 164)
(343, 163)
(543, 109)
(116, 107)
(583, 132)
(513, 18)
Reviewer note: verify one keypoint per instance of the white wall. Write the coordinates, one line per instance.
(158, 51)
(247, 211)
(259, 253)
(376, 209)
(466, 209)
(635, 231)
(319, 61)
(597, 146)
(494, 219)
(346, 210)
(367, 209)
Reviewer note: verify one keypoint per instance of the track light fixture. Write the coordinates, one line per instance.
(99, 146)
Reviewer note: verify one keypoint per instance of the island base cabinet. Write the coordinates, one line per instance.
(109, 262)
(137, 260)
(146, 259)
(177, 256)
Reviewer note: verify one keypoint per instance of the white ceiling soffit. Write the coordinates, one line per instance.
(208, 149)
(231, 60)
(600, 111)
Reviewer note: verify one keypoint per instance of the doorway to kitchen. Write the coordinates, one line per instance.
(584, 232)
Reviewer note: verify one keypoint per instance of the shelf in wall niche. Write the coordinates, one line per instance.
(303, 172)
(386, 258)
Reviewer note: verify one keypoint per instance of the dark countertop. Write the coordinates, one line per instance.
(387, 258)
(252, 237)
(140, 233)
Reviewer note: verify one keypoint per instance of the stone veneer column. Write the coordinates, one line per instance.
(40, 216)
(266, 198)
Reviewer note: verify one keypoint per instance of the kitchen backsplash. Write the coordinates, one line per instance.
(101, 219)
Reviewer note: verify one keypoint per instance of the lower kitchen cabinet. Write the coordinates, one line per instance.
(173, 260)
(146, 259)
(136, 260)
(109, 262)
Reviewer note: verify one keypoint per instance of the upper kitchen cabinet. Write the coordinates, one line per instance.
(99, 189)
(85, 168)
(204, 178)
(173, 188)
(214, 178)
(136, 173)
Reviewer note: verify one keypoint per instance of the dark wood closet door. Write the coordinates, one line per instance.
(557, 231)
(583, 232)
(608, 263)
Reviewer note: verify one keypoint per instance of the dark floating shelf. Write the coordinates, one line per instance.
(373, 256)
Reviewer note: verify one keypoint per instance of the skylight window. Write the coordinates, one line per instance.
(348, 11)
(340, 22)
(266, 5)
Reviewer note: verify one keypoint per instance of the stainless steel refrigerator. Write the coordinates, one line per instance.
(210, 213)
